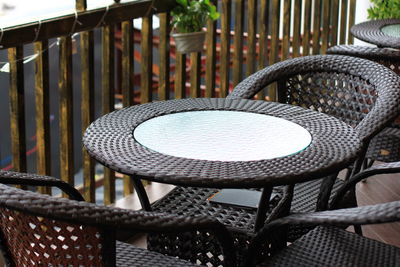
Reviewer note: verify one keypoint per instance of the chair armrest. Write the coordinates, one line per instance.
(380, 213)
(393, 167)
(111, 218)
(17, 178)
(368, 52)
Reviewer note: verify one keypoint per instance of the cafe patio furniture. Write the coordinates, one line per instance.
(169, 142)
(380, 32)
(110, 140)
(360, 92)
(386, 145)
(42, 230)
(328, 244)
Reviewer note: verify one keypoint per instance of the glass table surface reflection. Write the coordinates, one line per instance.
(209, 135)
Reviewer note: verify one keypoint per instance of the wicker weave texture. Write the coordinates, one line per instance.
(370, 31)
(329, 246)
(203, 247)
(386, 145)
(109, 140)
(353, 89)
(43, 230)
(38, 241)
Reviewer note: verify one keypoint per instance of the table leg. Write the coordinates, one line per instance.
(263, 208)
(143, 198)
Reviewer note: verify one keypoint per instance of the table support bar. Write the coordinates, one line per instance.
(263, 208)
(143, 198)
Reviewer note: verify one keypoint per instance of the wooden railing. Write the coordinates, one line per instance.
(250, 35)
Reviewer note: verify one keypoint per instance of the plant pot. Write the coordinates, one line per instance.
(189, 42)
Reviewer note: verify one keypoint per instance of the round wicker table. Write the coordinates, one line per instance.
(381, 32)
(320, 144)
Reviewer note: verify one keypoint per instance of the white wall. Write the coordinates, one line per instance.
(361, 15)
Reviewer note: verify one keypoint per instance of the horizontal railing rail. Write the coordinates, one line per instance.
(115, 64)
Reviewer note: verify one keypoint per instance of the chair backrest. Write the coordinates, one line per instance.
(360, 92)
(388, 57)
(385, 56)
(30, 237)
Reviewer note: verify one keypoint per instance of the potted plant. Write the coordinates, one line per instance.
(384, 9)
(188, 19)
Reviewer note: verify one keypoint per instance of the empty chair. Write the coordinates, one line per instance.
(329, 244)
(362, 93)
(42, 230)
(386, 145)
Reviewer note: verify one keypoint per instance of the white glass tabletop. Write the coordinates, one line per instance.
(222, 136)
(392, 30)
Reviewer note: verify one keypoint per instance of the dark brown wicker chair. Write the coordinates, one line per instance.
(328, 244)
(41, 230)
(356, 90)
(386, 145)
(360, 92)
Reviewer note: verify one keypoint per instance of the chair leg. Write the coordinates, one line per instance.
(358, 229)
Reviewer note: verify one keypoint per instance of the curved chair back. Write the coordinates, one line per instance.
(29, 235)
(359, 92)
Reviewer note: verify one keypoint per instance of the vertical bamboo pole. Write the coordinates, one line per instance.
(66, 111)
(211, 57)
(334, 22)
(307, 28)
(164, 49)
(87, 108)
(237, 72)
(352, 17)
(263, 40)
(343, 21)
(195, 75)
(43, 164)
(316, 27)
(180, 76)
(273, 56)
(127, 81)
(108, 72)
(146, 80)
(286, 29)
(297, 28)
(225, 47)
(326, 25)
(17, 110)
(251, 39)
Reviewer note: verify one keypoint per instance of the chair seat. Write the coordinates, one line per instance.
(192, 202)
(331, 246)
(385, 146)
(305, 195)
(304, 200)
(130, 256)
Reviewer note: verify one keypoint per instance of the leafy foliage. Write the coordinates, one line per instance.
(191, 15)
(384, 9)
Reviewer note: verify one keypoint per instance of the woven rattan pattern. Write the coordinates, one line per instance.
(329, 246)
(341, 86)
(370, 31)
(130, 256)
(386, 145)
(355, 84)
(202, 247)
(54, 229)
(109, 140)
(38, 241)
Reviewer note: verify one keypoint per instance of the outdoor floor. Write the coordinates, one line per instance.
(378, 189)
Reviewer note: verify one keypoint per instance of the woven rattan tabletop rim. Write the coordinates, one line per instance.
(370, 31)
(109, 140)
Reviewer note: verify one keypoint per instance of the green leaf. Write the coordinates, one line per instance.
(192, 15)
